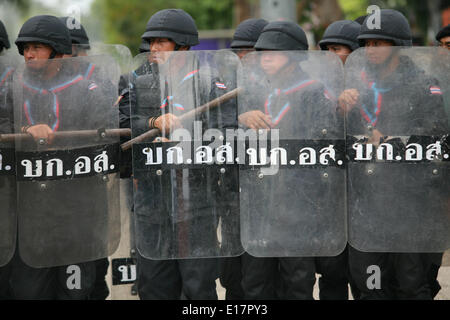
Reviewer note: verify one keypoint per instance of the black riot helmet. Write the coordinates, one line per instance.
(247, 33)
(282, 36)
(77, 32)
(361, 19)
(174, 24)
(393, 27)
(48, 30)
(343, 32)
(4, 41)
(444, 32)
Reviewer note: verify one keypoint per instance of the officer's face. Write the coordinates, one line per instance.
(273, 61)
(378, 51)
(36, 54)
(342, 51)
(242, 52)
(160, 49)
(445, 43)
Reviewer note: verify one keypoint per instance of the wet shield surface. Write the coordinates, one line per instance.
(398, 147)
(8, 218)
(120, 54)
(185, 181)
(292, 155)
(67, 163)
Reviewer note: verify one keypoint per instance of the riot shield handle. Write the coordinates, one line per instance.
(188, 115)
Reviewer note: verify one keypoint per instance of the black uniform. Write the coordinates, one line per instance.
(127, 94)
(403, 275)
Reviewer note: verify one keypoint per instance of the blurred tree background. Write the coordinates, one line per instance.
(124, 21)
(118, 21)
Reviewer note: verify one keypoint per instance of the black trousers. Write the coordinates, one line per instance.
(434, 261)
(334, 277)
(278, 278)
(100, 290)
(5, 273)
(231, 277)
(193, 279)
(403, 276)
(27, 283)
(230, 268)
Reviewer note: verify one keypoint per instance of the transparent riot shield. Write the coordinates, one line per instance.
(67, 151)
(398, 147)
(439, 66)
(228, 66)
(292, 155)
(8, 218)
(185, 180)
(120, 53)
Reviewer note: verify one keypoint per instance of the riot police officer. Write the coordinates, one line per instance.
(168, 205)
(391, 97)
(341, 38)
(246, 35)
(48, 81)
(280, 275)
